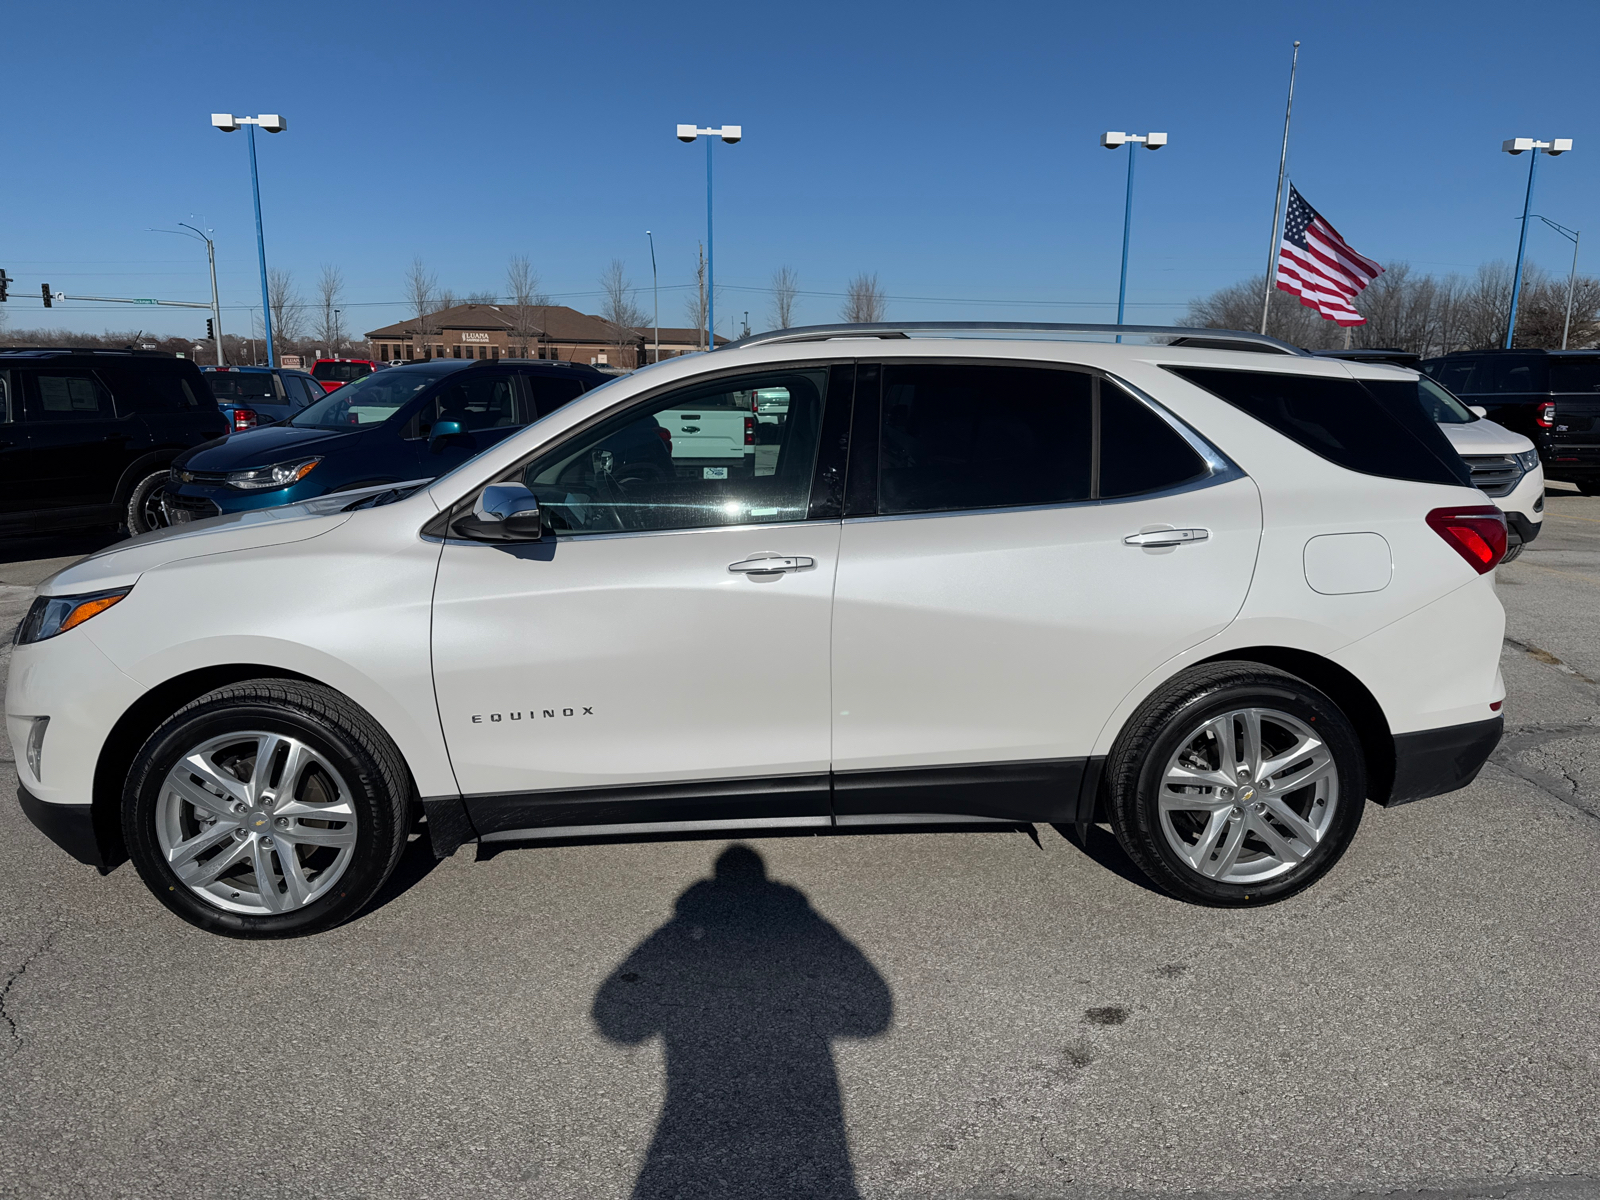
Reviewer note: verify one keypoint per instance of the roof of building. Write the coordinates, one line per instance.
(555, 322)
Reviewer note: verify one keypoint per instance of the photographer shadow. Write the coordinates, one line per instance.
(747, 986)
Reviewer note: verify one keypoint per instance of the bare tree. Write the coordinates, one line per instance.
(422, 291)
(330, 295)
(288, 312)
(618, 308)
(785, 286)
(695, 306)
(481, 298)
(522, 282)
(446, 299)
(863, 300)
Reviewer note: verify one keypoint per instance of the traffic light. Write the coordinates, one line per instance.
(211, 332)
(44, 290)
(5, 282)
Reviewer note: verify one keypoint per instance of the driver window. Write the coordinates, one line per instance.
(480, 401)
(737, 452)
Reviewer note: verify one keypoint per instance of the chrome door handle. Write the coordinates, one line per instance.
(1167, 537)
(771, 566)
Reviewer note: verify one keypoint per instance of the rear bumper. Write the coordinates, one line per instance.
(1432, 762)
(70, 826)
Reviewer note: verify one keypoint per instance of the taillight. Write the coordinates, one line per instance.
(1547, 414)
(243, 418)
(1477, 533)
(749, 431)
(665, 436)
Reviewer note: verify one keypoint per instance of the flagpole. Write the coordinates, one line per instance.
(1277, 204)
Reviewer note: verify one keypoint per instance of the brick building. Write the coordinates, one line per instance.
(493, 331)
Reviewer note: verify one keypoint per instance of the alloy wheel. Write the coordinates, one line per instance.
(1248, 796)
(256, 822)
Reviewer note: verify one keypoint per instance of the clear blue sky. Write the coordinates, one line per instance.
(952, 149)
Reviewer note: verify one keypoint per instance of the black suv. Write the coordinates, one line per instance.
(1551, 396)
(86, 436)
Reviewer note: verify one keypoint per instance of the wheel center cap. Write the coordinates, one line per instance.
(258, 820)
(1246, 794)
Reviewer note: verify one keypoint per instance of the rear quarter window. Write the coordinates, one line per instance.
(1341, 421)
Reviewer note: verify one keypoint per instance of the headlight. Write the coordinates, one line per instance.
(276, 476)
(51, 615)
(1529, 459)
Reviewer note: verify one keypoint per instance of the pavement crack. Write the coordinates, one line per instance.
(1545, 784)
(10, 1023)
(1550, 660)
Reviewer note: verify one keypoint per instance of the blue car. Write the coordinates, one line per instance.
(252, 396)
(412, 422)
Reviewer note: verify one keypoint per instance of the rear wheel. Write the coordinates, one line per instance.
(269, 808)
(1588, 487)
(144, 504)
(1513, 552)
(1236, 784)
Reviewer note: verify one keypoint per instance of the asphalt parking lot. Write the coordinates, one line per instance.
(909, 1015)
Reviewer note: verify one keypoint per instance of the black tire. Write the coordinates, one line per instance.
(1587, 487)
(144, 511)
(374, 772)
(1163, 725)
(1514, 547)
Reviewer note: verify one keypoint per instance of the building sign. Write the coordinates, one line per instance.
(289, 360)
(468, 336)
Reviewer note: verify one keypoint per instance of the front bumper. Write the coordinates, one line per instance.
(70, 826)
(1432, 762)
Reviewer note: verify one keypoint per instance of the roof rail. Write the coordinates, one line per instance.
(1181, 335)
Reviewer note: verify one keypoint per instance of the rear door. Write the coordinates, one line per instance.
(1575, 388)
(1022, 545)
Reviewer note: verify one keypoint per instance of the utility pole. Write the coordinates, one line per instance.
(655, 289)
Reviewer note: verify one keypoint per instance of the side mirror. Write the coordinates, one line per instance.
(442, 430)
(1479, 409)
(504, 512)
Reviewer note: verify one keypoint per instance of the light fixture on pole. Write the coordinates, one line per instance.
(729, 134)
(655, 289)
(272, 123)
(1517, 146)
(1572, 236)
(1114, 141)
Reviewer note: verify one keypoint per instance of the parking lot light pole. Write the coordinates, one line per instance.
(729, 134)
(272, 123)
(1112, 141)
(1516, 146)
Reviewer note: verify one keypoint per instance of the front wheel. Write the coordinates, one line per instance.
(1236, 784)
(269, 808)
(144, 504)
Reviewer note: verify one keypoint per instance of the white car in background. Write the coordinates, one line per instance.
(1217, 598)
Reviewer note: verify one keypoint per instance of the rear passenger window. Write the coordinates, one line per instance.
(955, 437)
(6, 416)
(1139, 452)
(1455, 374)
(155, 388)
(1336, 419)
(551, 394)
(71, 396)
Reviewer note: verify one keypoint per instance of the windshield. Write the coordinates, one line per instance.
(229, 385)
(345, 372)
(1575, 374)
(370, 400)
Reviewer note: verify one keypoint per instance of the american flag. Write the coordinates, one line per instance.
(1319, 266)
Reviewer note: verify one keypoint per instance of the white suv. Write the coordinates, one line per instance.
(1217, 598)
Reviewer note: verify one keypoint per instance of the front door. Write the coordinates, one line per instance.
(662, 656)
(990, 608)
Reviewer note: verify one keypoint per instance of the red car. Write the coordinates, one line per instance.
(334, 373)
